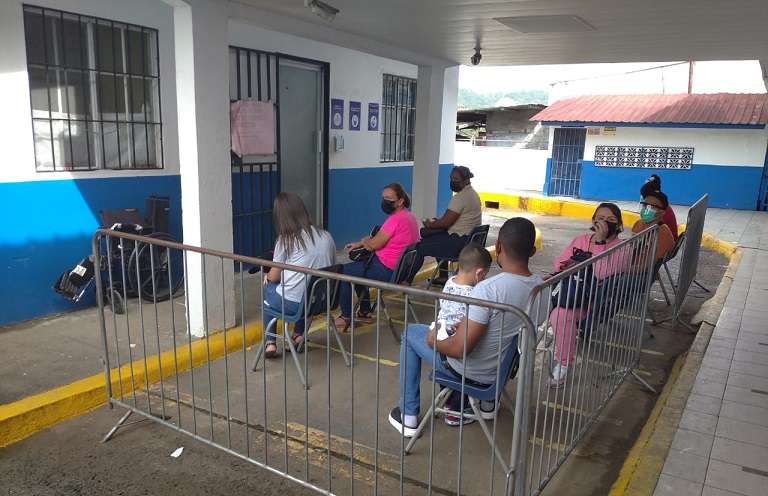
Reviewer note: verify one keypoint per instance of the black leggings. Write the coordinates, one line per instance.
(440, 245)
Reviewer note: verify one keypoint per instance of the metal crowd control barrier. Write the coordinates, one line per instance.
(593, 323)
(329, 437)
(333, 436)
(689, 263)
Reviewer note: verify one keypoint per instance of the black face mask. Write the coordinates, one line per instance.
(456, 186)
(387, 206)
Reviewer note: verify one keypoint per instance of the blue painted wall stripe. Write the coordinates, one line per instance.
(728, 186)
(354, 199)
(444, 192)
(48, 228)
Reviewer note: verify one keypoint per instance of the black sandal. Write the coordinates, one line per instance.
(342, 323)
(271, 353)
(299, 342)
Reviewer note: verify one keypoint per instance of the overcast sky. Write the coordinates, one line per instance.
(569, 80)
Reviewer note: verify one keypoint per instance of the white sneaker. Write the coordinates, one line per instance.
(558, 376)
(488, 410)
(396, 420)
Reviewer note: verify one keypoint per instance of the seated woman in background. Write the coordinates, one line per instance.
(604, 233)
(446, 236)
(299, 243)
(652, 208)
(400, 230)
(653, 183)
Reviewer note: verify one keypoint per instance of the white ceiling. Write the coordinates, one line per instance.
(625, 30)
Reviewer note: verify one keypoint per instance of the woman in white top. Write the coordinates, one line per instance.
(298, 243)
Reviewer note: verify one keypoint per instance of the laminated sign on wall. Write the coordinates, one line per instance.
(373, 116)
(337, 113)
(252, 125)
(354, 116)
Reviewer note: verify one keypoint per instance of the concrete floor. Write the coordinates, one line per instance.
(68, 459)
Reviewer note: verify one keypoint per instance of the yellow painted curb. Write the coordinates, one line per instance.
(637, 453)
(584, 210)
(644, 461)
(29, 415)
(22, 418)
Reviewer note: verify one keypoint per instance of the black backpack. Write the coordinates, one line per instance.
(574, 289)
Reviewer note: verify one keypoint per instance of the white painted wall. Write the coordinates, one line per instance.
(500, 169)
(354, 76)
(733, 147)
(16, 142)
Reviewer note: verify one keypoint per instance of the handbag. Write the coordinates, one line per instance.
(363, 254)
(574, 289)
(360, 255)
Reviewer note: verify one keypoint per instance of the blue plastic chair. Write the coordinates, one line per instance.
(400, 274)
(318, 303)
(491, 392)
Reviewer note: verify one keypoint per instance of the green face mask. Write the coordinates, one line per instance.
(647, 214)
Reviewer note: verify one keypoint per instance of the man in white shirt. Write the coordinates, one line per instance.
(488, 332)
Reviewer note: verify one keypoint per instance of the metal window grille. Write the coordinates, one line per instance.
(398, 118)
(254, 75)
(95, 92)
(650, 157)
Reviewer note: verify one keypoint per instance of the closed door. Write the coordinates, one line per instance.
(567, 155)
(301, 131)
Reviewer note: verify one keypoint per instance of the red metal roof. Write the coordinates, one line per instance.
(718, 108)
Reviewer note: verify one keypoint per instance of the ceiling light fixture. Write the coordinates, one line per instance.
(322, 9)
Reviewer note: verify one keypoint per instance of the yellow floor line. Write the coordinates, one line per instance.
(382, 361)
(29, 415)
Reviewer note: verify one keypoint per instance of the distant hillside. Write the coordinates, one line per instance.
(471, 99)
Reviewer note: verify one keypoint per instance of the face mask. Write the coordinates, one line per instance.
(456, 186)
(387, 206)
(613, 228)
(647, 214)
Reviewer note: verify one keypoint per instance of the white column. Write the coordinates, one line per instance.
(202, 84)
(435, 130)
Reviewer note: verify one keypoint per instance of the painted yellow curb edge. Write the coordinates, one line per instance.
(29, 415)
(25, 417)
(584, 210)
(635, 456)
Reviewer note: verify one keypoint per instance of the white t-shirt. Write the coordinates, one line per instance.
(318, 254)
(452, 312)
(506, 288)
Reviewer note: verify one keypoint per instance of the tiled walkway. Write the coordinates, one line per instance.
(721, 445)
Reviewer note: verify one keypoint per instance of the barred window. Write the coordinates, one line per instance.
(398, 118)
(95, 92)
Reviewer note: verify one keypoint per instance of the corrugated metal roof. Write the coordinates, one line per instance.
(718, 108)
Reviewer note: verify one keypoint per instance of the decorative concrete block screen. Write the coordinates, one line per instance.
(650, 157)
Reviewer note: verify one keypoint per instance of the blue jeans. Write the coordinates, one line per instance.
(273, 299)
(370, 270)
(414, 350)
